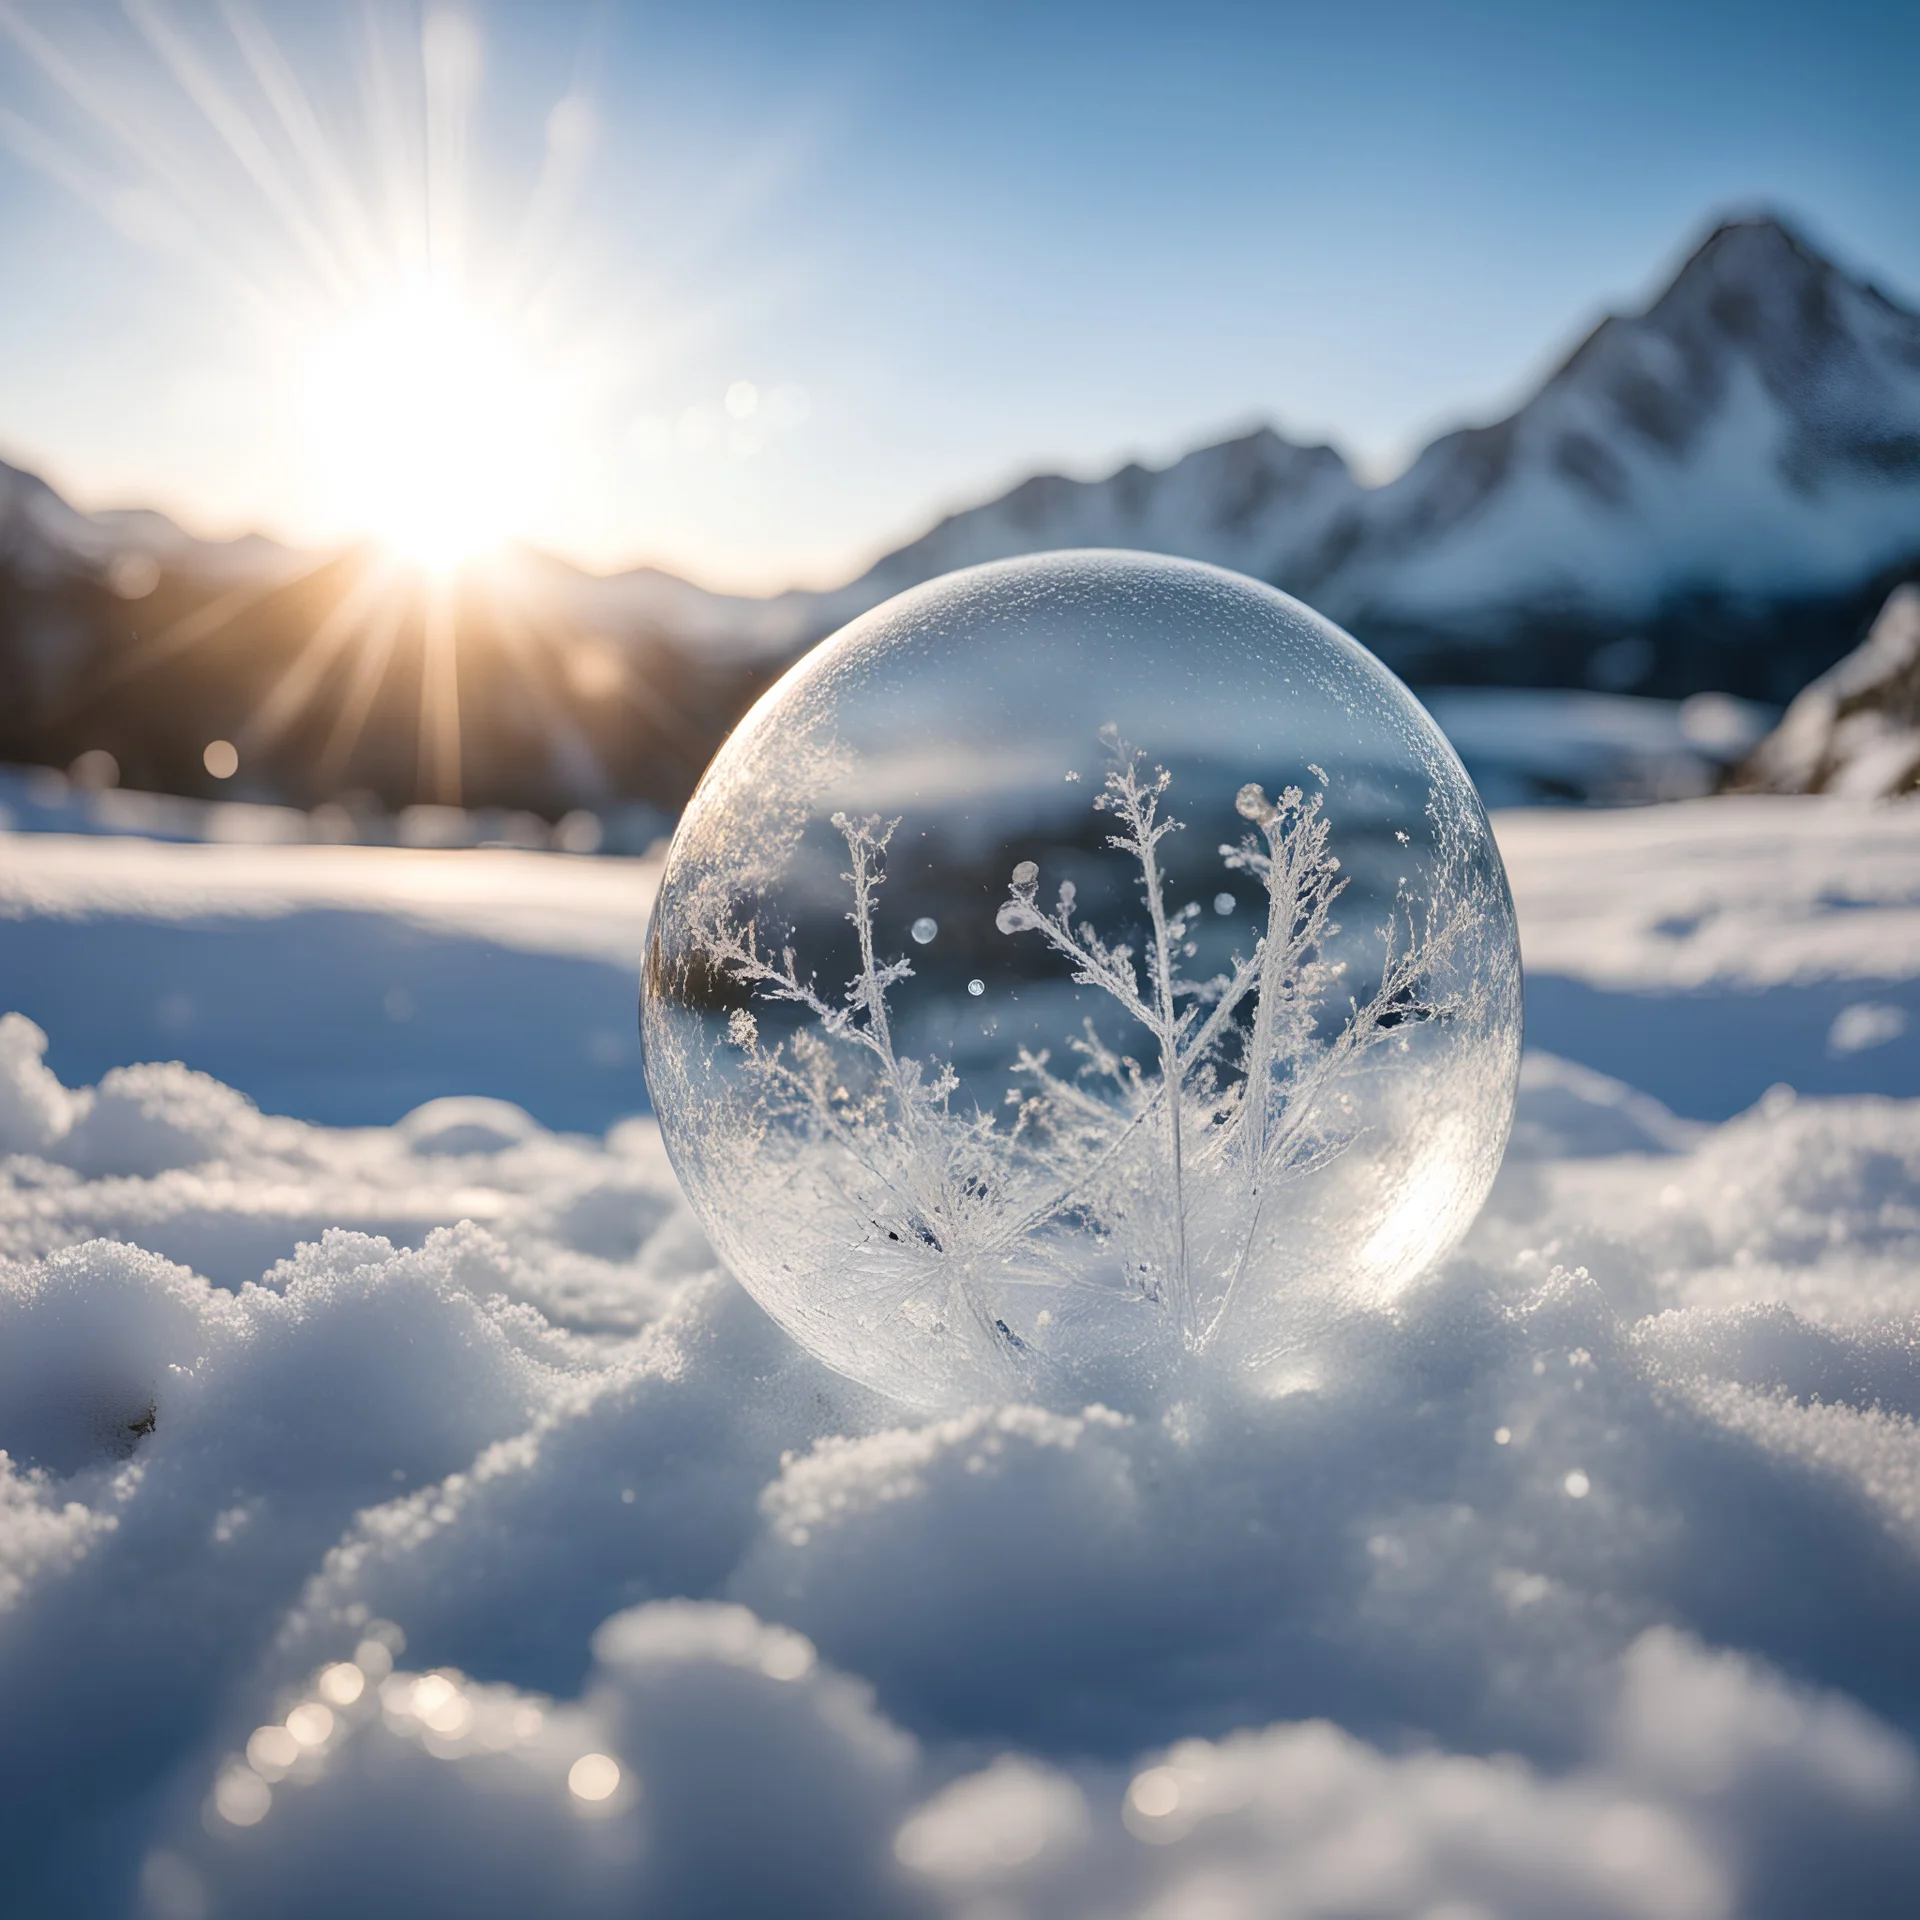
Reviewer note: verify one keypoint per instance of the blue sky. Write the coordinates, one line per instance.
(799, 277)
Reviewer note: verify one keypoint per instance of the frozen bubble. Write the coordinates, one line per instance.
(924, 929)
(1107, 1231)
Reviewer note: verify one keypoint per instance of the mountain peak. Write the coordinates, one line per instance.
(1753, 276)
(1253, 502)
(1753, 433)
(1762, 241)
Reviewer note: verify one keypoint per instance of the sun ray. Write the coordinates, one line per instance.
(293, 692)
(129, 130)
(308, 139)
(243, 139)
(185, 633)
(450, 59)
(369, 670)
(438, 764)
(437, 349)
(524, 636)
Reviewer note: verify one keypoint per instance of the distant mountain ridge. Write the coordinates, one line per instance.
(1746, 449)
(44, 539)
(1715, 493)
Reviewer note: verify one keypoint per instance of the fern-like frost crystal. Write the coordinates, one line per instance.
(966, 1083)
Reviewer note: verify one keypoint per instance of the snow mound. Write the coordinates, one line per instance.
(1856, 729)
(151, 1119)
(466, 1123)
(1566, 1109)
(35, 1109)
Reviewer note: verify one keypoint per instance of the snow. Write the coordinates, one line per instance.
(1743, 892)
(1749, 434)
(250, 961)
(1749, 437)
(1527, 744)
(407, 1518)
(1659, 942)
(1856, 729)
(1731, 513)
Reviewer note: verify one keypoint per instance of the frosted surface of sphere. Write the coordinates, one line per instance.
(1216, 1034)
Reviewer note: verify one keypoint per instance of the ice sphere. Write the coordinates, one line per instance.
(1095, 1143)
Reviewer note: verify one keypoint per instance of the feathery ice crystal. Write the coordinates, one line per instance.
(1094, 1142)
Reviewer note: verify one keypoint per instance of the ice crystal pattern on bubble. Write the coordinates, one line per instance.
(1157, 1163)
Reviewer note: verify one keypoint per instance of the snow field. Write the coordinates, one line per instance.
(412, 1519)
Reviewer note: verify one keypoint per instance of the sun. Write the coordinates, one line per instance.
(429, 426)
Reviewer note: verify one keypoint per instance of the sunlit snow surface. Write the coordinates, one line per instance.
(522, 1567)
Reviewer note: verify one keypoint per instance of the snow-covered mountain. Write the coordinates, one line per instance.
(1258, 504)
(40, 534)
(1754, 435)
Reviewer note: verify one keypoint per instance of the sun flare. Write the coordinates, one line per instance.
(426, 423)
(435, 382)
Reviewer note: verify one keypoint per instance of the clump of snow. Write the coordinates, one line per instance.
(464, 1124)
(150, 1119)
(35, 1109)
(1856, 729)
